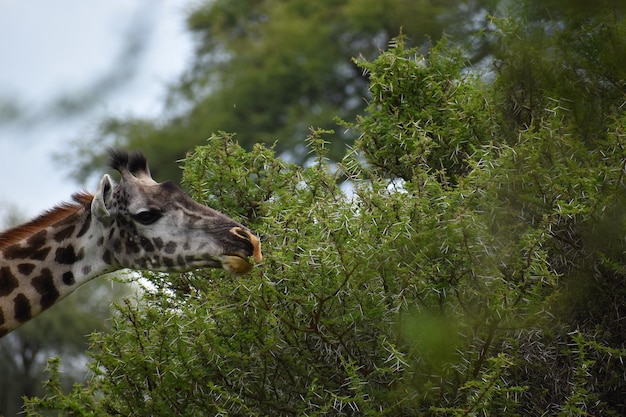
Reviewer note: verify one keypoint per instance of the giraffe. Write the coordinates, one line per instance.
(136, 223)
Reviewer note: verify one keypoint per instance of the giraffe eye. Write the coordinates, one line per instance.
(147, 217)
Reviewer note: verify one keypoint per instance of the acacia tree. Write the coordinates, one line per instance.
(474, 268)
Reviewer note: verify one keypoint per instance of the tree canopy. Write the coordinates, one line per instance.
(268, 70)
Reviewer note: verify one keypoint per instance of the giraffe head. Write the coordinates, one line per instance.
(156, 226)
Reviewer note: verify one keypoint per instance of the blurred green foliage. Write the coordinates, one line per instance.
(268, 70)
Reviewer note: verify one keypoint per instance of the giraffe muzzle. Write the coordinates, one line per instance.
(238, 264)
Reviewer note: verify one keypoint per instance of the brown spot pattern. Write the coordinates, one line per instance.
(64, 233)
(44, 284)
(85, 225)
(107, 258)
(170, 247)
(66, 255)
(68, 278)
(25, 268)
(22, 308)
(16, 252)
(8, 282)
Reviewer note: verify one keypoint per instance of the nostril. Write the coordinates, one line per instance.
(249, 237)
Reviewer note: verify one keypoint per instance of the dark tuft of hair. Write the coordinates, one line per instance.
(133, 161)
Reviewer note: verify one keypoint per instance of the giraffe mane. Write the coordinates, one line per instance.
(48, 218)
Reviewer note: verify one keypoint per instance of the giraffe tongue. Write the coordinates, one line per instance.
(235, 264)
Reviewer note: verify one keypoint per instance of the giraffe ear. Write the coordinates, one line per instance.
(102, 201)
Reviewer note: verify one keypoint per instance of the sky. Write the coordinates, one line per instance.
(111, 57)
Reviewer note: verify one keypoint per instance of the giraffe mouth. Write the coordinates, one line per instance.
(254, 241)
(237, 263)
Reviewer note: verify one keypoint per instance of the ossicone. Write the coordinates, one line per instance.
(133, 162)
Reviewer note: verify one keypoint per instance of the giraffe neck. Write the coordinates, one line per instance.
(45, 260)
